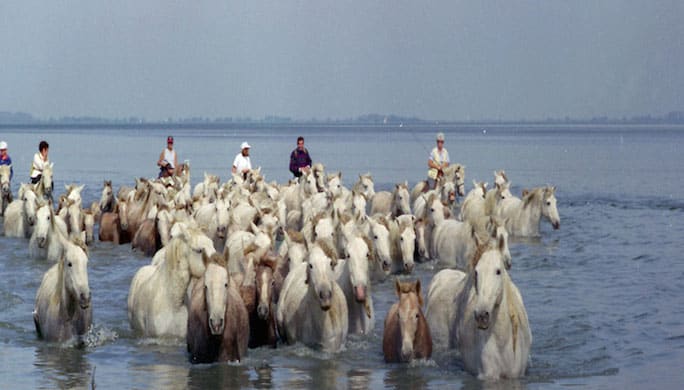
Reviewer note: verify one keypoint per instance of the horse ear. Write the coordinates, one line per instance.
(397, 286)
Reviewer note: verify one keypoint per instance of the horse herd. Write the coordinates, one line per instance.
(250, 263)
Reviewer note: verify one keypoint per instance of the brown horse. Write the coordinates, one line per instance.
(406, 335)
(262, 323)
(114, 225)
(218, 323)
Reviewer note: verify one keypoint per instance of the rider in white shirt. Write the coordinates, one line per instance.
(167, 159)
(241, 163)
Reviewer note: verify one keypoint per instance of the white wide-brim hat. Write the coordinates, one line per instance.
(244, 145)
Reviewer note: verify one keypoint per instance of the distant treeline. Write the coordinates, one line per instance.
(21, 119)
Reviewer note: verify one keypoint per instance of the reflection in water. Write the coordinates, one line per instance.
(63, 368)
(264, 378)
(402, 376)
(160, 376)
(218, 376)
(359, 379)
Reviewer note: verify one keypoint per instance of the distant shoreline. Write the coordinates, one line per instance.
(341, 125)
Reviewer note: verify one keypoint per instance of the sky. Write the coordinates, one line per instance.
(446, 60)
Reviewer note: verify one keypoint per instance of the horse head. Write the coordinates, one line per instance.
(74, 267)
(122, 207)
(421, 243)
(29, 199)
(549, 210)
(407, 245)
(107, 197)
(200, 246)
(319, 276)
(265, 286)
(357, 260)
(409, 313)
(5, 179)
(488, 278)
(43, 224)
(365, 185)
(380, 238)
(402, 199)
(216, 285)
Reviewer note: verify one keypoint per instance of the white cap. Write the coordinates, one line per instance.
(440, 136)
(244, 145)
(3, 145)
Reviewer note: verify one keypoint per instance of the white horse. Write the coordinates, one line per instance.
(156, 298)
(20, 215)
(5, 188)
(62, 310)
(312, 308)
(107, 198)
(396, 202)
(379, 236)
(491, 329)
(49, 234)
(473, 206)
(365, 186)
(523, 218)
(354, 280)
(43, 188)
(403, 243)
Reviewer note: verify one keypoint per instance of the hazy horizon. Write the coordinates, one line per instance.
(443, 60)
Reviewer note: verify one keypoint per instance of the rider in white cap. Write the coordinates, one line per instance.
(5, 158)
(438, 160)
(241, 163)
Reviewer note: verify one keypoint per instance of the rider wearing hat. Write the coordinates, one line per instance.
(5, 158)
(438, 160)
(242, 163)
(167, 159)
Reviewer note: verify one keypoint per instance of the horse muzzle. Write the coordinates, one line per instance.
(325, 298)
(31, 220)
(482, 320)
(556, 225)
(408, 267)
(216, 326)
(262, 311)
(360, 293)
(41, 241)
(84, 300)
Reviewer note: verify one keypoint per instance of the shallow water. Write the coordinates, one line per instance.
(604, 294)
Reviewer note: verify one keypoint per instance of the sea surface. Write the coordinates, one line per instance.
(604, 294)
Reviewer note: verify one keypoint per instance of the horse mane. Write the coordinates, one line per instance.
(268, 261)
(296, 237)
(532, 196)
(328, 249)
(80, 243)
(408, 288)
(369, 244)
(217, 259)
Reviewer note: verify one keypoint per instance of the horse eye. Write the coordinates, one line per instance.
(417, 315)
(331, 264)
(273, 281)
(375, 237)
(225, 285)
(48, 217)
(70, 264)
(548, 203)
(498, 272)
(310, 266)
(432, 210)
(401, 238)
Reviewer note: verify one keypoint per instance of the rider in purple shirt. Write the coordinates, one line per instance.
(300, 161)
